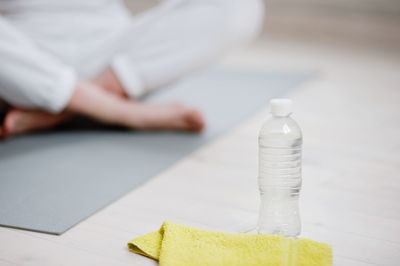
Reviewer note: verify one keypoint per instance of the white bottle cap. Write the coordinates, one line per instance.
(281, 107)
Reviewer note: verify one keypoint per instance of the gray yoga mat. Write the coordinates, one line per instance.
(51, 181)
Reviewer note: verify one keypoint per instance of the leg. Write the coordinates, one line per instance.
(90, 100)
(111, 109)
(182, 36)
(18, 121)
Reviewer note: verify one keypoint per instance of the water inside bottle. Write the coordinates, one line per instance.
(279, 184)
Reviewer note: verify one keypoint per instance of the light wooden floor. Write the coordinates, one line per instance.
(350, 116)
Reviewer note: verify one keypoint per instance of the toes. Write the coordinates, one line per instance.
(194, 121)
(8, 127)
(9, 124)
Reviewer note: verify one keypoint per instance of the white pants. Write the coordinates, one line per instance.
(46, 45)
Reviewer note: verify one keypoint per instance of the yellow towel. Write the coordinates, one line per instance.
(176, 245)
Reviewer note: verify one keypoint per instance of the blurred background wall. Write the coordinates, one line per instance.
(388, 6)
(362, 23)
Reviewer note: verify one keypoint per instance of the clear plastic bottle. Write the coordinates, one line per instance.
(279, 176)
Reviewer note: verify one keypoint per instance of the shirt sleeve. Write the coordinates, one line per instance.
(30, 77)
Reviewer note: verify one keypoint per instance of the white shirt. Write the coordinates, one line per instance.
(46, 45)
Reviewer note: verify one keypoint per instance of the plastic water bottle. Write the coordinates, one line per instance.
(279, 176)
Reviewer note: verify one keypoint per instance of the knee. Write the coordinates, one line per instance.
(245, 19)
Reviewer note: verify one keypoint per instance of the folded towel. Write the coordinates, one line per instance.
(176, 245)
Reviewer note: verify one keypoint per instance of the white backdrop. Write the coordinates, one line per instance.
(387, 6)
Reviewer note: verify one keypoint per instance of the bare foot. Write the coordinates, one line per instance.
(18, 122)
(145, 117)
(109, 108)
(162, 117)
